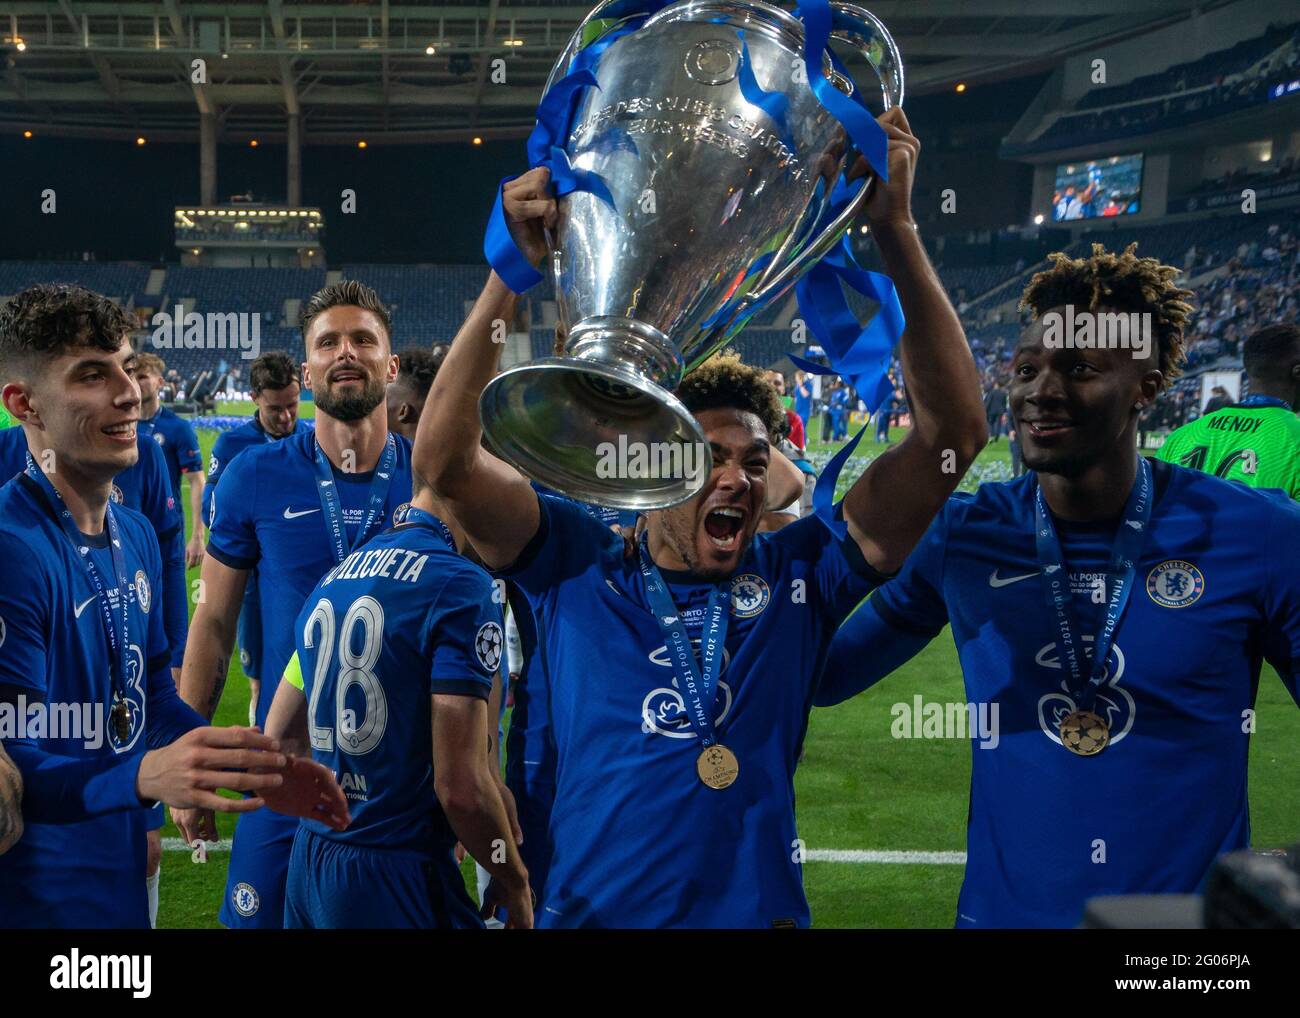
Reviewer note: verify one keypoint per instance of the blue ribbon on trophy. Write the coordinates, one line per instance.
(859, 354)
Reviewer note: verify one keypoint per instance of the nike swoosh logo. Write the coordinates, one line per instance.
(996, 581)
(77, 610)
(289, 514)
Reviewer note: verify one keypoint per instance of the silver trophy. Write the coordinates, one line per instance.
(718, 207)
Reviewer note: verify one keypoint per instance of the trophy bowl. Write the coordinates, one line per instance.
(718, 165)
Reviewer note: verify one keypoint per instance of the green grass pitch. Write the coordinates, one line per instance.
(857, 787)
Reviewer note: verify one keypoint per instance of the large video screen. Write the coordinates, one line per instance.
(1100, 187)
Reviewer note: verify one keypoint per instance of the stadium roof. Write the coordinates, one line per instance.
(360, 69)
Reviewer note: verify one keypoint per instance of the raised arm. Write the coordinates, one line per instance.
(494, 502)
(892, 503)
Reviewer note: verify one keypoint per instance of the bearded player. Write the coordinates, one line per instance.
(292, 510)
(675, 808)
(1115, 609)
(276, 390)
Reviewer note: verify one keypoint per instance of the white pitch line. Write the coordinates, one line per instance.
(860, 856)
(814, 855)
(178, 845)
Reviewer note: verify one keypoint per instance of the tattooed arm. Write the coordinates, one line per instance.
(11, 803)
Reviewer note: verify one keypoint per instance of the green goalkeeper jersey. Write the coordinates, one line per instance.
(5, 419)
(1256, 441)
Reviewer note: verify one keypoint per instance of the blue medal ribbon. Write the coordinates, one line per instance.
(698, 685)
(117, 628)
(1055, 579)
(409, 515)
(332, 509)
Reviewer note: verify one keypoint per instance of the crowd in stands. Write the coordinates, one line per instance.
(1247, 267)
(1212, 86)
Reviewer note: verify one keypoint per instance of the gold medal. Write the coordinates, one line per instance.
(717, 766)
(1084, 733)
(121, 717)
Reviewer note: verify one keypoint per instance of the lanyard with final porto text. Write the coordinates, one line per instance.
(332, 509)
(407, 515)
(117, 626)
(716, 765)
(1083, 731)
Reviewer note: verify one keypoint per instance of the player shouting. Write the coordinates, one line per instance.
(674, 801)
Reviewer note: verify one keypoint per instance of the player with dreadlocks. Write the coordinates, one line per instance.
(1110, 614)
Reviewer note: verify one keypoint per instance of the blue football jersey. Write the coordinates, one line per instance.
(180, 445)
(1217, 589)
(80, 862)
(145, 488)
(268, 516)
(530, 750)
(402, 618)
(230, 444)
(639, 840)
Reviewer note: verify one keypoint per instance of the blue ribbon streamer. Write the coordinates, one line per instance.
(859, 355)
(554, 114)
(867, 135)
(774, 104)
(503, 254)
(824, 504)
(568, 178)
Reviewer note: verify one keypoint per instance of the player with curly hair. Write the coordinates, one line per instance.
(674, 798)
(1110, 614)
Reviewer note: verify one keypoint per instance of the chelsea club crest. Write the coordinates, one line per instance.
(1175, 584)
(142, 593)
(749, 595)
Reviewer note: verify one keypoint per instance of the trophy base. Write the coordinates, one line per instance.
(596, 433)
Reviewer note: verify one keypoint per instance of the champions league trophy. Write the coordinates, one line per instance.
(718, 165)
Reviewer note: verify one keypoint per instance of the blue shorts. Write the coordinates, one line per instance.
(249, 633)
(333, 885)
(259, 863)
(156, 818)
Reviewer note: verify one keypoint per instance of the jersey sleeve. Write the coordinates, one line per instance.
(168, 717)
(232, 536)
(157, 639)
(156, 499)
(187, 451)
(841, 576)
(176, 608)
(217, 464)
(865, 649)
(567, 542)
(24, 622)
(913, 602)
(56, 789)
(1282, 600)
(464, 636)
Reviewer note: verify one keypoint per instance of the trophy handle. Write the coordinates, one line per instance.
(862, 30)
